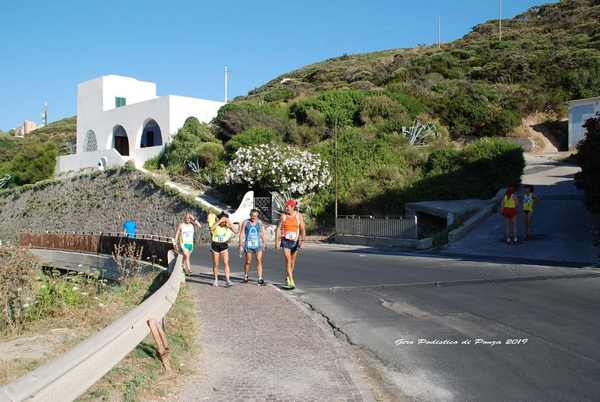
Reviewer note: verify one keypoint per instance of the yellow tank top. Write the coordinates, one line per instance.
(509, 202)
(528, 202)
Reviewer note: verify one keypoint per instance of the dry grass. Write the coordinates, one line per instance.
(140, 375)
(80, 306)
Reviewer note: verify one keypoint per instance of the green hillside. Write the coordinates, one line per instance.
(476, 85)
(33, 157)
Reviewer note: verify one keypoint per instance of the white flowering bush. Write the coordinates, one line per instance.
(278, 167)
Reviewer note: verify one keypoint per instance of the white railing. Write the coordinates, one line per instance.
(370, 226)
(71, 374)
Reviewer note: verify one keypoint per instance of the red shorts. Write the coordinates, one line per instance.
(509, 212)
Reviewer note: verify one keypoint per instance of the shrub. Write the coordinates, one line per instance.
(279, 167)
(234, 118)
(35, 162)
(250, 137)
(186, 145)
(588, 151)
(475, 109)
(339, 107)
(209, 153)
(380, 108)
(279, 94)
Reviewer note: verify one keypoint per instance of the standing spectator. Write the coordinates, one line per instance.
(509, 206)
(130, 228)
(530, 200)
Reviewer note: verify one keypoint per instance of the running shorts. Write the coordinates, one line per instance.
(188, 246)
(289, 244)
(509, 212)
(218, 248)
(252, 250)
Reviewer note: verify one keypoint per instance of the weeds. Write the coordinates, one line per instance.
(17, 273)
(127, 257)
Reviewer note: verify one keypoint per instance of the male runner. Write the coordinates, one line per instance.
(290, 237)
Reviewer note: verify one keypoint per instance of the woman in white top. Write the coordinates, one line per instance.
(184, 238)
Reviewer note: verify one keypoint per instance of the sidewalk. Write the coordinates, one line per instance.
(562, 226)
(257, 345)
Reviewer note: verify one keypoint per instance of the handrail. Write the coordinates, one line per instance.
(71, 374)
(142, 236)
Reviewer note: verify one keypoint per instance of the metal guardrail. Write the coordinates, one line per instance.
(370, 226)
(154, 248)
(70, 375)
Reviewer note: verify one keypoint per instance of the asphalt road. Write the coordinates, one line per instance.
(389, 304)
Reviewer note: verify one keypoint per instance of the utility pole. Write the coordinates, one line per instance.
(226, 83)
(500, 19)
(45, 114)
(439, 32)
(335, 169)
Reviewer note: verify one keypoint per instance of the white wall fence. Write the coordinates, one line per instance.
(370, 226)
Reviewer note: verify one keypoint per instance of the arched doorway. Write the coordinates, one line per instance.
(120, 140)
(151, 135)
(90, 142)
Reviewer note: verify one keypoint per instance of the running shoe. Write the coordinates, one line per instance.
(245, 278)
(228, 284)
(261, 282)
(287, 281)
(216, 283)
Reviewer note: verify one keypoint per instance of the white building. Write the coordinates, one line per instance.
(121, 118)
(579, 111)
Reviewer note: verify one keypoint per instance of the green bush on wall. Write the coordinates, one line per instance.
(588, 158)
(250, 137)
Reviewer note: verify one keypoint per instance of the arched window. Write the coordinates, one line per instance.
(120, 140)
(89, 143)
(151, 135)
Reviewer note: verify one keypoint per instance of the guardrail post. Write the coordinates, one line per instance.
(161, 343)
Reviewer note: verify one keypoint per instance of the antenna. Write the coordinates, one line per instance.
(439, 29)
(45, 113)
(226, 83)
(500, 19)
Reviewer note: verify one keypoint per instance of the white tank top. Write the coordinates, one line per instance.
(187, 232)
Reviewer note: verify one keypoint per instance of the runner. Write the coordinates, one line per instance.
(291, 232)
(509, 211)
(184, 238)
(252, 242)
(221, 230)
(530, 200)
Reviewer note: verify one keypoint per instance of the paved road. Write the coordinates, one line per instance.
(382, 300)
(562, 228)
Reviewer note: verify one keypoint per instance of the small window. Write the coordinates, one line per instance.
(120, 101)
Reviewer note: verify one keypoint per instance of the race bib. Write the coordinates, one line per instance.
(252, 243)
(291, 236)
(220, 238)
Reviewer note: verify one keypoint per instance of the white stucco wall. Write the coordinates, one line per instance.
(75, 162)
(96, 111)
(579, 112)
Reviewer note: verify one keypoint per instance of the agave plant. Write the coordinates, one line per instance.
(4, 181)
(418, 133)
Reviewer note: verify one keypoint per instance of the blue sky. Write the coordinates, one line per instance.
(183, 45)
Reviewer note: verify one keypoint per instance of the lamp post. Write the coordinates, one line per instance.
(335, 169)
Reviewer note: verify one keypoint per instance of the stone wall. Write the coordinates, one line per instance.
(98, 202)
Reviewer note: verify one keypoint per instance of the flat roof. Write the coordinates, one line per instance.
(586, 100)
